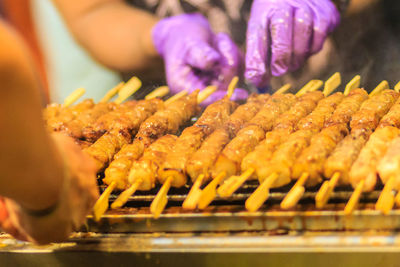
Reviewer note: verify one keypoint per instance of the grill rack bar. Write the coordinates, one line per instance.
(234, 218)
(340, 195)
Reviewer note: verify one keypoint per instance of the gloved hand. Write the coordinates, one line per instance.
(281, 34)
(76, 199)
(194, 56)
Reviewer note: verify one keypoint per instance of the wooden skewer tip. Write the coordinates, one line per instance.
(232, 86)
(161, 199)
(101, 205)
(355, 197)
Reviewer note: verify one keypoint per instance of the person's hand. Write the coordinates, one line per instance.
(282, 34)
(7, 225)
(194, 56)
(77, 197)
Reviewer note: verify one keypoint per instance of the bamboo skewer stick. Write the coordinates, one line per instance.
(283, 89)
(233, 183)
(194, 194)
(332, 84)
(308, 87)
(206, 92)
(210, 191)
(161, 199)
(386, 198)
(102, 204)
(261, 194)
(73, 97)
(158, 92)
(382, 86)
(397, 87)
(397, 199)
(126, 194)
(295, 194)
(353, 84)
(175, 97)
(232, 86)
(354, 199)
(326, 190)
(112, 92)
(129, 88)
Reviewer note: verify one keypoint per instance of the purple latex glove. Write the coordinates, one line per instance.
(194, 56)
(281, 34)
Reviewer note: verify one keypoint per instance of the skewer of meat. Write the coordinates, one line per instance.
(200, 165)
(389, 173)
(138, 182)
(52, 111)
(342, 114)
(88, 117)
(143, 173)
(236, 149)
(385, 169)
(338, 164)
(248, 138)
(210, 191)
(363, 173)
(283, 126)
(173, 171)
(162, 122)
(202, 161)
(122, 130)
(273, 139)
(122, 117)
(115, 119)
(363, 122)
(280, 153)
(311, 160)
(68, 114)
(176, 113)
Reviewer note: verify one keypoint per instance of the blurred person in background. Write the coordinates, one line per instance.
(281, 35)
(284, 41)
(47, 184)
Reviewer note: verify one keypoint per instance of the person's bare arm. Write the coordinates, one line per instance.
(29, 163)
(116, 34)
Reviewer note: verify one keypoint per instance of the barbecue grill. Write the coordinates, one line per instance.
(207, 238)
(270, 235)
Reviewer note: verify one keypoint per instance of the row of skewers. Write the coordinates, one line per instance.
(349, 137)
